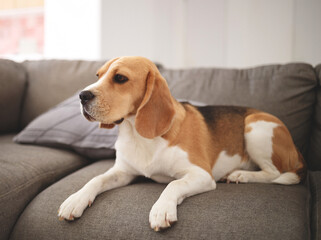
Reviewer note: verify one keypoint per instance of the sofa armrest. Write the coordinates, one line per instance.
(13, 79)
(315, 187)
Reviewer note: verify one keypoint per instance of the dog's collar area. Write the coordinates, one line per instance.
(119, 121)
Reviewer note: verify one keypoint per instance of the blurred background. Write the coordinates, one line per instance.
(176, 33)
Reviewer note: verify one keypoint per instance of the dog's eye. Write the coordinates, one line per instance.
(118, 78)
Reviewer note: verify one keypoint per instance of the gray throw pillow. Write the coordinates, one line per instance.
(64, 127)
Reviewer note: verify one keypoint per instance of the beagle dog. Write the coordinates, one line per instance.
(189, 147)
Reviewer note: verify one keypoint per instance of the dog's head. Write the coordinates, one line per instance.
(130, 86)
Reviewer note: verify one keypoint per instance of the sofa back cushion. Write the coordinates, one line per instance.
(12, 88)
(52, 81)
(287, 91)
(63, 126)
(315, 144)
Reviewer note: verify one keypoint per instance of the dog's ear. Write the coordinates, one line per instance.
(156, 112)
(101, 71)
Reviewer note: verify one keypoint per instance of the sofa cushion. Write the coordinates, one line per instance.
(12, 87)
(232, 211)
(25, 171)
(315, 183)
(52, 81)
(64, 127)
(315, 149)
(287, 91)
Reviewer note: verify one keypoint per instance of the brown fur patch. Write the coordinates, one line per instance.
(285, 155)
(247, 129)
(205, 132)
(226, 126)
(256, 116)
(190, 132)
(103, 69)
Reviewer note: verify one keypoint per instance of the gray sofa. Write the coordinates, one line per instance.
(34, 180)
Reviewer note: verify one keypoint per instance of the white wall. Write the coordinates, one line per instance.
(307, 31)
(259, 32)
(206, 33)
(186, 33)
(150, 28)
(72, 29)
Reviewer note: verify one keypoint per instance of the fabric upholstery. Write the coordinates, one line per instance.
(25, 171)
(315, 183)
(52, 81)
(232, 211)
(287, 91)
(64, 127)
(315, 144)
(12, 87)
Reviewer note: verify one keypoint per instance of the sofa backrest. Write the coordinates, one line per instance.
(52, 81)
(287, 91)
(12, 87)
(315, 143)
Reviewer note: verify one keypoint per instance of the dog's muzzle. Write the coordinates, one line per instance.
(85, 97)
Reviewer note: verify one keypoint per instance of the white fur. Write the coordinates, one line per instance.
(225, 164)
(259, 142)
(259, 146)
(287, 178)
(152, 158)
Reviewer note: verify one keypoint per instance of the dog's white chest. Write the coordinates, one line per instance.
(152, 158)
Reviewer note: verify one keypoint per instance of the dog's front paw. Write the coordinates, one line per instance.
(163, 215)
(74, 205)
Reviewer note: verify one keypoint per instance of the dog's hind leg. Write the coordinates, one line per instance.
(270, 146)
(258, 142)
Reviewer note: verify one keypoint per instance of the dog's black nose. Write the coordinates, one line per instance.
(86, 96)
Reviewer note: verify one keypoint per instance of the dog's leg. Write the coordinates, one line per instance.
(259, 143)
(75, 204)
(263, 176)
(164, 211)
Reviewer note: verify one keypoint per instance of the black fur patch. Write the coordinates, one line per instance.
(214, 114)
(211, 113)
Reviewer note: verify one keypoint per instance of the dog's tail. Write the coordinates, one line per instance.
(287, 178)
(296, 176)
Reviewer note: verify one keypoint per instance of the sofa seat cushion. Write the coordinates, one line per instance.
(243, 211)
(25, 171)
